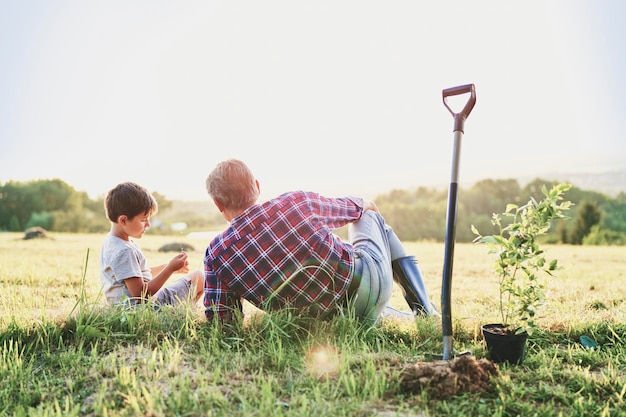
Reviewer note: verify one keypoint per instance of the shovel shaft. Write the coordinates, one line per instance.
(446, 284)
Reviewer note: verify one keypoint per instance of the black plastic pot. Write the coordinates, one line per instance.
(504, 347)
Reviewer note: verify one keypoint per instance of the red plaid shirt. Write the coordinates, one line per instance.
(282, 253)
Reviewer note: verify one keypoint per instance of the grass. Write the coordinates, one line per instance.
(64, 353)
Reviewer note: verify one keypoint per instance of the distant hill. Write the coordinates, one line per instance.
(610, 183)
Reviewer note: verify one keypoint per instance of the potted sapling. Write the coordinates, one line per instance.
(521, 267)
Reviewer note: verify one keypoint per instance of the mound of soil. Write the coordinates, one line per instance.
(444, 378)
(35, 233)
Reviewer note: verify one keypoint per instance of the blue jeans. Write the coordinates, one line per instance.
(375, 246)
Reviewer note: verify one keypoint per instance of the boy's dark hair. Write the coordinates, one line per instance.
(129, 199)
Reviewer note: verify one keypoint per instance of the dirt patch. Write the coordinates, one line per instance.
(445, 378)
(176, 247)
(35, 233)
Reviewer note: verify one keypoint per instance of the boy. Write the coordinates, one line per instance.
(124, 270)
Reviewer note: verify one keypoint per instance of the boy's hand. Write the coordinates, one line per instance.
(180, 263)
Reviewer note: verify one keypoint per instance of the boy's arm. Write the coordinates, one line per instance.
(140, 289)
(155, 270)
(136, 287)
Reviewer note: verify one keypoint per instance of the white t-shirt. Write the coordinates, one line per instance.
(120, 259)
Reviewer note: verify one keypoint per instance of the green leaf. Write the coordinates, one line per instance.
(511, 207)
(588, 342)
(553, 265)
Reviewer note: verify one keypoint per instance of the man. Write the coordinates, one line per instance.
(283, 254)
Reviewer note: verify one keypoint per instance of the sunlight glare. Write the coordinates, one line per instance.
(322, 361)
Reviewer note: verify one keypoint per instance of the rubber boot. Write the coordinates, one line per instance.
(407, 274)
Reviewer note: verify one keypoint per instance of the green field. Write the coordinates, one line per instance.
(64, 353)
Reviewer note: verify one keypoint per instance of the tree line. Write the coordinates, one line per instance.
(595, 218)
(419, 214)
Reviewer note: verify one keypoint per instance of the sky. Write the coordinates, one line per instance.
(339, 97)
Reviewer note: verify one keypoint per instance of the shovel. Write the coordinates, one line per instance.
(446, 283)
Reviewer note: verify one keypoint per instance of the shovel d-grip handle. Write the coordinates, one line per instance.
(459, 118)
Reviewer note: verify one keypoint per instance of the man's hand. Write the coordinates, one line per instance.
(369, 205)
